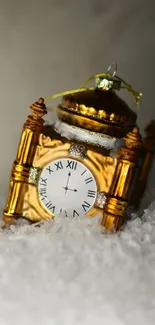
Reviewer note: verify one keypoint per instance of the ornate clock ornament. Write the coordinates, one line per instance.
(81, 165)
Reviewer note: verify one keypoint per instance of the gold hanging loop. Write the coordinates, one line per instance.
(109, 68)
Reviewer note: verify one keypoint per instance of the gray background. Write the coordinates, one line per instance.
(51, 45)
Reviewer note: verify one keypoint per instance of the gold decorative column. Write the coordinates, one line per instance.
(117, 201)
(147, 156)
(22, 164)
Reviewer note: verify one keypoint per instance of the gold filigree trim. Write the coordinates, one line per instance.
(100, 115)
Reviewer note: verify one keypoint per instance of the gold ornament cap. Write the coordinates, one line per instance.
(100, 104)
(99, 108)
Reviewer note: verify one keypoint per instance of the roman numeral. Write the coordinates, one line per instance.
(49, 170)
(64, 212)
(43, 182)
(91, 193)
(85, 206)
(42, 192)
(50, 206)
(71, 164)
(84, 172)
(88, 180)
(75, 213)
(59, 165)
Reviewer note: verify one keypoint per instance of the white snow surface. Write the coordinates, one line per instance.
(69, 272)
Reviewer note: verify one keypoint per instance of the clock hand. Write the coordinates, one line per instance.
(70, 189)
(66, 187)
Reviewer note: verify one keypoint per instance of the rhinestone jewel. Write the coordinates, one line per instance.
(100, 200)
(77, 150)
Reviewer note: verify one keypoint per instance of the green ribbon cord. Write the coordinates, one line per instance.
(104, 81)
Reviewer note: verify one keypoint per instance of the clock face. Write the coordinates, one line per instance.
(67, 187)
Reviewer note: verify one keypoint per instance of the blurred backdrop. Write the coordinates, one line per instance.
(48, 46)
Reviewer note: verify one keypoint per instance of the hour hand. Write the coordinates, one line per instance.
(73, 190)
(69, 189)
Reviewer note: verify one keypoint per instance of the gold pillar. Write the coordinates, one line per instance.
(147, 156)
(117, 201)
(22, 164)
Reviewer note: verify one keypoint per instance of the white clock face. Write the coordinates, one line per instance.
(67, 187)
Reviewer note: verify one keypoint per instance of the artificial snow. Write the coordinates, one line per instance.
(76, 133)
(69, 272)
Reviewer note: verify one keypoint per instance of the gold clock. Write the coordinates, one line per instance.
(83, 164)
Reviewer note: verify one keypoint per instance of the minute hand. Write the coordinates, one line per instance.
(66, 187)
